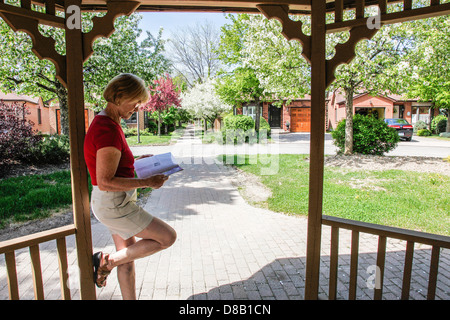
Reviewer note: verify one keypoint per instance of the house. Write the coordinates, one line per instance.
(381, 107)
(293, 117)
(46, 115)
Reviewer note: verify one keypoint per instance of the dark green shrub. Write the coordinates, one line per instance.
(53, 149)
(439, 124)
(370, 136)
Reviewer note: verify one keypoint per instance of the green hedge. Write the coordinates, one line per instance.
(370, 136)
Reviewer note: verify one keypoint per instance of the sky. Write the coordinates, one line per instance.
(173, 21)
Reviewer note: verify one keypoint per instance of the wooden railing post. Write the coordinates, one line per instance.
(80, 191)
(316, 163)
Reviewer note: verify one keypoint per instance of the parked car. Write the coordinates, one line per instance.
(403, 127)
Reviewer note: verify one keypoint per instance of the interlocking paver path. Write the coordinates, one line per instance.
(227, 249)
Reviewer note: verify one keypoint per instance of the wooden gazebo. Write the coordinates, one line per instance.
(64, 14)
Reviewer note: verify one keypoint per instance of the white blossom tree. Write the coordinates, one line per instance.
(202, 101)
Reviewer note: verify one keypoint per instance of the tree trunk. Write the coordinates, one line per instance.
(258, 115)
(61, 93)
(348, 148)
(448, 122)
(159, 123)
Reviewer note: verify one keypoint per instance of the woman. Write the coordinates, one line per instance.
(113, 200)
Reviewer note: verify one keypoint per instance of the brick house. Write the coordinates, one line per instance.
(382, 107)
(46, 116)
(294, 117)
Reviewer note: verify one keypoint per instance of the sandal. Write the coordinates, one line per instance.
(101, 272)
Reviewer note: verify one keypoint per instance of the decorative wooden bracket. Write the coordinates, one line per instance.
(104, 26)
(345, 52)
(43, 47)
(291, 29)
(24, 19)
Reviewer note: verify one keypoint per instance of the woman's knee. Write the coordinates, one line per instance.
(169, 239)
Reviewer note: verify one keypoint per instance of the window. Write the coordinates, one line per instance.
(251, 111)
(39, 116)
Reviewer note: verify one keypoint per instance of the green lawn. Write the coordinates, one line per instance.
(164, 139)
(410, 200)
(37, 196)
(34, 196)
(149, 140)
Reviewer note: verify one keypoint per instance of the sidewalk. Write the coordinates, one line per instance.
(227, 249)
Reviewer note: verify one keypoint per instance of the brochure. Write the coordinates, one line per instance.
(158, 164)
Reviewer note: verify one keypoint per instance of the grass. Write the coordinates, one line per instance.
(163, 139)
(33, 197)
(38, 196)
(410, 200)
(149, 140)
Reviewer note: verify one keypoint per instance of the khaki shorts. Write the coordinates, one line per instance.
(118, 211)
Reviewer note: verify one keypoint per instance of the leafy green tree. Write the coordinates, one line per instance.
(22, 72)
(429, 74)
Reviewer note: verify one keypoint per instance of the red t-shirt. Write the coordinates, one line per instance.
(105, 132)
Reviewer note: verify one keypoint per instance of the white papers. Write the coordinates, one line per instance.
(158, 164)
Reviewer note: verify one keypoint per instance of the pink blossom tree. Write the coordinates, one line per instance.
(163, 94)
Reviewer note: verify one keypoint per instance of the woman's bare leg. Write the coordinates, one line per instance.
(157, 236)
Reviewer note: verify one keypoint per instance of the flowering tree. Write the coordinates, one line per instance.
(163, 94)
(202, 102)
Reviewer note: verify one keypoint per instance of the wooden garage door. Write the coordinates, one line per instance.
(300, 119)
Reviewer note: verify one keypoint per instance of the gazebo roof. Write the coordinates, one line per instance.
(231, 6)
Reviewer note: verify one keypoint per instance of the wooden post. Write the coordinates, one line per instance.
(318, 86)
(80, 191)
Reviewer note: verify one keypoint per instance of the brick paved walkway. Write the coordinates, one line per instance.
(227, 249)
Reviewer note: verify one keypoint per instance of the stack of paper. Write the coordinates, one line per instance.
(158, 164)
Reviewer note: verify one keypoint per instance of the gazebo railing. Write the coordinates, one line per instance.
(383, 232)
(9, 247)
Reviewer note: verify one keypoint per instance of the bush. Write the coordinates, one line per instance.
(420, 125)
(234, 122)
(52, 149)
(264, 125)
(17, 137)
(424, 132)
(370, 136)
(439, 124)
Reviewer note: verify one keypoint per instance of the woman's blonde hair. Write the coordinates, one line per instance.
(126, 86)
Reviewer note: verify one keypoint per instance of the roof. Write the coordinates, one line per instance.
(242, 6)
(340, 98)
(16, 97)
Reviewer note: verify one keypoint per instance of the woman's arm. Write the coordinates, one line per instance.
(106, 166)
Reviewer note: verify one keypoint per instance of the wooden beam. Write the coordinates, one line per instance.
(42, 18)
(395, 17)
(80, 191)
(316, 163)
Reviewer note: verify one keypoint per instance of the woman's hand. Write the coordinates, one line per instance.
(144, 156)
(156, 181)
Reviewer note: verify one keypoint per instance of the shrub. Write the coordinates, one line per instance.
(370, 136)
(420, 125)
(424, 132)
(52, 149)
(439, 124)
(17, 137)
(234, 122)
(264, 125)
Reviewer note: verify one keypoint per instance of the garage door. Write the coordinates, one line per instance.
(300, 119)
